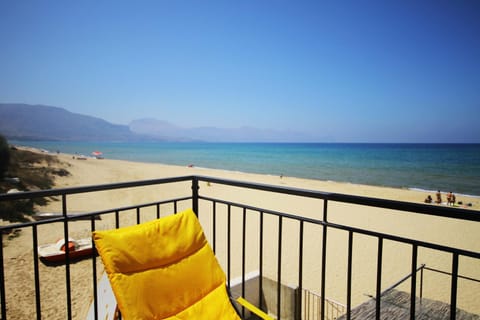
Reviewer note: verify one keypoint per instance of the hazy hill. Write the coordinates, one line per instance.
(38, 122)
(164, 129)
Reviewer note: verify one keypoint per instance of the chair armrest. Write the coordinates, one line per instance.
(253, 309)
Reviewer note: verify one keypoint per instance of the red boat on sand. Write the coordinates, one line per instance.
(55, 252)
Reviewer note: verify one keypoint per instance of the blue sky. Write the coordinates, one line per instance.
(346, 71)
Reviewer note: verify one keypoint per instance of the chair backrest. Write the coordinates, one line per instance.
(164, 269)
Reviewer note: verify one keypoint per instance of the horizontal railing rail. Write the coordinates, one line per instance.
(240, 217)
(421, 208)
(90, 188)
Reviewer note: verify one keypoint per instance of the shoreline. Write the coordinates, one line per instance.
(472, 199)
(434, 191)
(352, 165)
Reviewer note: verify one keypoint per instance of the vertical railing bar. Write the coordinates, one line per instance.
(413, 288)
(229, 219)
(311, 309)
(349, 275)
(421, 283)
(195, 188)
(244, 227)
(2, 282)
(158, 210)
(214, 226)
(67, 257)
(327, 308)
(138, 215)
(453, 295)
(311, 312)
(117, 219)
(175, 207)
(279, 266)
(260, 267)
(36, 272)
(94, 271)
(300, 272)
(379, 278)
(303, 314)
(324, 259)
(329, 305)
(307, 306)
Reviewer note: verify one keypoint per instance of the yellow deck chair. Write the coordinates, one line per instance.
(165, 269)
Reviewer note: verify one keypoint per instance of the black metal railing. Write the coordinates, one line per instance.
(292, 244)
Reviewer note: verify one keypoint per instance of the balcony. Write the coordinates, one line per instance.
(308, 255)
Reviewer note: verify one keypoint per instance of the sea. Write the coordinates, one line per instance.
(427, 167)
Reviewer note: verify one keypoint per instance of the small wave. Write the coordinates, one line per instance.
(435, 191)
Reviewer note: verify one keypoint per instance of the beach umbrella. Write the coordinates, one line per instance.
(96, 153)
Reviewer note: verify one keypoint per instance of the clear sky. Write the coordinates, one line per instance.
(346, 71)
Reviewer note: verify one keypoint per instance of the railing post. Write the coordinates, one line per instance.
(453, 297)
(324, 259)
(298, 296)
(3, 299)
(279, 268)
(298, 304)
(260, 265)
(195, 188)
(421, 283)
(36, 272)
(413, 287)
(244, 235)
(94, 272)
(378, 295)
(349, 275)
(67, 257)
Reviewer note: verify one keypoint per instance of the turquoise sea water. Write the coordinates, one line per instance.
(447, 167)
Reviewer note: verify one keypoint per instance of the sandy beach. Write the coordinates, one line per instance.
(18, 251)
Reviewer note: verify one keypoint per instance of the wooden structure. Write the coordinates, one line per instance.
(396, 305)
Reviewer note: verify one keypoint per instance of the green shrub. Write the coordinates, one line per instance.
(34, 171)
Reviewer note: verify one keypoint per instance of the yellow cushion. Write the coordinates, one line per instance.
(164, 269)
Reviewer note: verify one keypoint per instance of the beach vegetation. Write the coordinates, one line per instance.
(4, 156)
(28, 171)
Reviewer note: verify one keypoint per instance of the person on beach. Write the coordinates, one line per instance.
(439, 197)
(450, 198)
(428, 199)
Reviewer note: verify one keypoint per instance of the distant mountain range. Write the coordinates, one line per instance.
(164, 130)
(39, 122)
